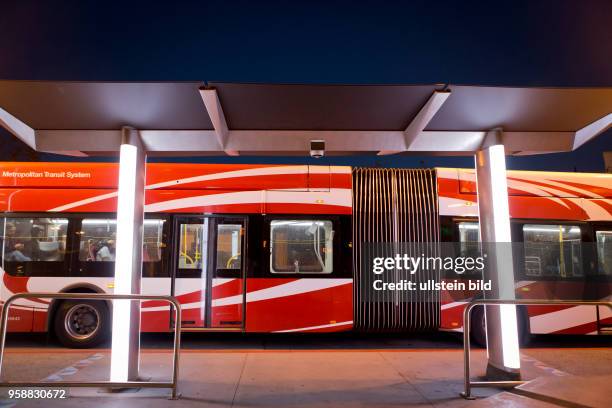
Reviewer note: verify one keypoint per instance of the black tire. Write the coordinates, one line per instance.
(81, 323)
(478, 331)
(523, 326)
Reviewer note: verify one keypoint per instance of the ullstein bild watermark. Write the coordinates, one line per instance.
(405, 263)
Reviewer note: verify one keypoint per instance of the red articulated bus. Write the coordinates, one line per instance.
(275, 248)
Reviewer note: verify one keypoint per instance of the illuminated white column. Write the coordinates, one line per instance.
(128, 257)
(502, 334)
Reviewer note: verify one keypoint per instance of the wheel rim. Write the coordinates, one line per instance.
(82, 321)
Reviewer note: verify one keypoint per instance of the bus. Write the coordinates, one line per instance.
(277, 248)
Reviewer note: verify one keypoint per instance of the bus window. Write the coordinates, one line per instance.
(468, 231)
(552, 250)
(301, 246)
(98, 238)
(153, 240)
(193, 247)
(469, 238)
(152, 247)
(229, 243)
(98, 246)
(29, 241)
(34, 239)
(469, 246)
(604, 252)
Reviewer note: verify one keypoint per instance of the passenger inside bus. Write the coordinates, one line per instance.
(32, 246)
(39, 239)
(106, 252)
(98, 245)
(14, 245)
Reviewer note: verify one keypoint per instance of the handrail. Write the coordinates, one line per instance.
(173, 384)
(468, 384)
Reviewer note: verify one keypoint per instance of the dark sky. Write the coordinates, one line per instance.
(522, 43)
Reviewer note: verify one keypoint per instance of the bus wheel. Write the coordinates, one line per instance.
(478, 329)
(478, 332)
(82, 323)
(523, 326)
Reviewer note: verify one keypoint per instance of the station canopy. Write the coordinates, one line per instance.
(218, 118)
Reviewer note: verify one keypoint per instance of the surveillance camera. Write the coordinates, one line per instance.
(317, 148)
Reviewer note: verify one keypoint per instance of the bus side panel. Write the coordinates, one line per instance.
(154, 318)
(155, 315)
(227, 302)
(39, 320)
(61, 200)
(155, 321)
(21, 313)
(562, 319)
(542, 319)
(296, 305)
(550, 208)
(451, 316)
(20, 319)
(559, 319)
(605, 316)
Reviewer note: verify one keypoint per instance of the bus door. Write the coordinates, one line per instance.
(209, 271)
(602, 280)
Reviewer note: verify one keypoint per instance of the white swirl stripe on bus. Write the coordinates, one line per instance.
(538, 190)
(336, 196)
(283, 290)
(594, 210)
(323, 326)
(207, 177)
(258, 172)
(262, 171)
(563, 319)
(84, 202)
(287, 289)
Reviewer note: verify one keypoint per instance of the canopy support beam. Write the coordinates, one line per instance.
(425, 115)
(22, 131)
(421, 120)
(590, 131)
(217, 117)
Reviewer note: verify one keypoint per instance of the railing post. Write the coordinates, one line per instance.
(177, 349)
(467, 394)
(173, 384)
(3, 327)
(467, 382)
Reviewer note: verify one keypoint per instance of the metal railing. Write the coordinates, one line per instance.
(468, 384)
(173, 384)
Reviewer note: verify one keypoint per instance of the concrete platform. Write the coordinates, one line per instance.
(510, 400)
(571, 391)
(319, 378)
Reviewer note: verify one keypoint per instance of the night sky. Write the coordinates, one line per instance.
(519, 43)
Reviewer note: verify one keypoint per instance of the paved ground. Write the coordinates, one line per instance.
(318, 371)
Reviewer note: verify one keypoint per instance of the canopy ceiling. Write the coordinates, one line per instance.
(234, 118)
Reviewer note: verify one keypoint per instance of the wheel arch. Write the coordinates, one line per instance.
(74, 288)
(522, 320)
